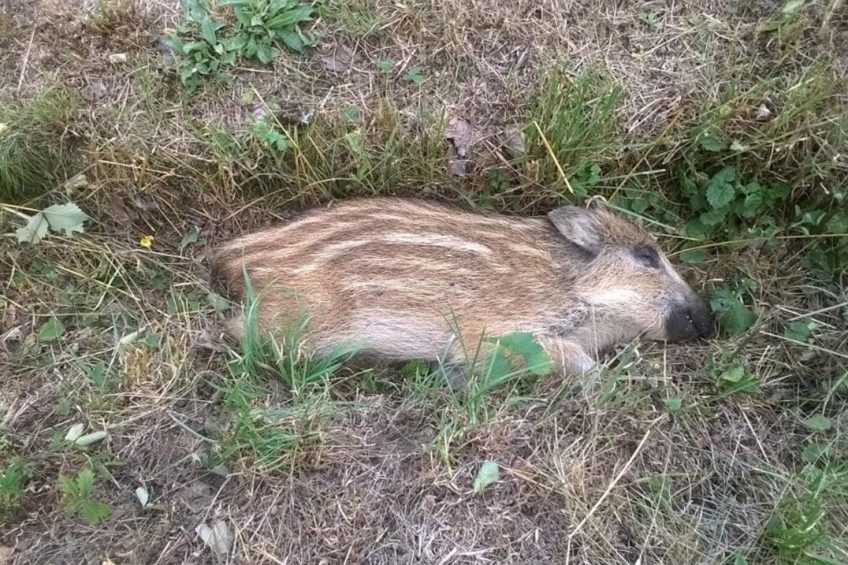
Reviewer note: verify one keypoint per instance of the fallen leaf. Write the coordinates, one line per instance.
(338, 59)
(34, 231)
(142, 495)
(129, 339)
(67, 218)
(119, 209)
(211, 341)
(74, 432)
(75, 183)
(117, 58)
(489, 473)
(88, 439)
(218, 538)
(763, 113)
(514, 141)
(459, 167)
(458, 133)
(143, 203)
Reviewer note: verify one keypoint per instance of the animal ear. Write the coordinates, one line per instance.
(580, 226)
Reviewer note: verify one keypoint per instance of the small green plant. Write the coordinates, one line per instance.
(723, 204)
(734, 379)
(77, 493)
(12, 478)
(728, 303)
(269, 134)
(650, 19)
(414, 76)
(207, 47)
(51, 330)
(262, 24)
(488, 474)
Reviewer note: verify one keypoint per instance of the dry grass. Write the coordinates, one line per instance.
(650, 463)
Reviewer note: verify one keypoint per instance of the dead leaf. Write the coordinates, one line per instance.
(459, 167)
(514, 141)
(143, 203)
(219, 538)
(119, 209)
(210, 340)
(763, 113)
(458, 133)
(338, 59)
(117, 58)
(75, 183)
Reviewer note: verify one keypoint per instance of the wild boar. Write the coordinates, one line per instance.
(405, 279)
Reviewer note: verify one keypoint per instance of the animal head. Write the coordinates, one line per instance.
(628, 281)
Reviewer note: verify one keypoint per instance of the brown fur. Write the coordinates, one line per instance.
(404, 279)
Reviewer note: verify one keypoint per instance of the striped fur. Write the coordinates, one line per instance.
(410, 279)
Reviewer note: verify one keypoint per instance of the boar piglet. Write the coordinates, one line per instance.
(405, 279)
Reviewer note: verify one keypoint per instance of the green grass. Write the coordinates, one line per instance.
(571, 134)
(277, 430)
(36, 144)
(807, 525)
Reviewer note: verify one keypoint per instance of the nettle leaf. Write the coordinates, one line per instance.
(264, 52)
(734, 374)
(291, 17)
(721, 300)
(207, 30)
(489, 473)
(34, 231)
(721, 188)
(714, 217)
(498, 370)
(674, 404)
(738, 319)
(696, 229)
(777, 192)
(751, 204)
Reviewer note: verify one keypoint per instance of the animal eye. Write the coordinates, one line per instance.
(647, 255)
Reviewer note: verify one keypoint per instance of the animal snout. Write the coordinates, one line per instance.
(689, 320)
